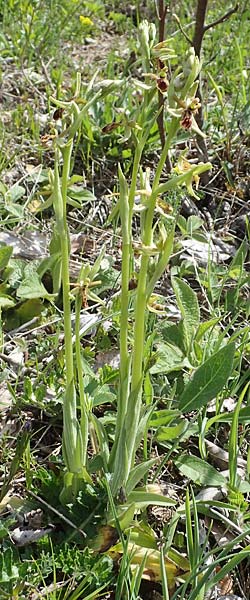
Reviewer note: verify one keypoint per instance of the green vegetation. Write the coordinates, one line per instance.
(124, 282)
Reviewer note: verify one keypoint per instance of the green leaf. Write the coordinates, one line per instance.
(102, 437)
(188, 305)
(137, 474)
(16, 316)
(236, 267)
(204, 327)
(126, 518)
(5, 254)
(199, 471)
(208, 379)
(244, 417)
(8, 570)
(81, 195)
(193, 223)
(143, 499)
(103, 395)
(168, 358)
(164, 434)
(172, 335)
(6, 302)
(32, 288)
(142, 537)
(163, 417)
(244, 487)
(16, 210)
(14, 193)
(233, 439)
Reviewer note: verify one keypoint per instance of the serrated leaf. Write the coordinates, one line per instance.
(208, 380)
(199, 471)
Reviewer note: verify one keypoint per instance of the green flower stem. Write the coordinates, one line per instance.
(67, 150)
(134, 404)
(129, 404)
(173, 128)
(82, 395)
(126, 213)
(163, 261)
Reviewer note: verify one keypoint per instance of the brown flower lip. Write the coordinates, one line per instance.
(162, 84)
(186, 120)
(110, 127)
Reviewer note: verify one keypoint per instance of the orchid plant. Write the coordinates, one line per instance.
(157, 236)
(151, 254)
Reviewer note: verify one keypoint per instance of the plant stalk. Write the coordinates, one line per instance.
(65, 268)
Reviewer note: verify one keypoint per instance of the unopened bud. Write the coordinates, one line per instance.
(190, 59)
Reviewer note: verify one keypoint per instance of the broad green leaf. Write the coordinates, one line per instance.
(165, 434)
(143, 538)
(179, 559)
(127, 517)
(173, 335)
(168, 358)
(208, 380)
(244, 487)
(14, 193)
(80, 194)
(103, 395)
(137, 474)
(199, 471)
(143, 499)
(182, 224)
(204, 327)
(16, 316)
(31, 287)
(163, 417)
(5, 254)
(188, 305)
(16, 210)
(6, 302)
(193, 223)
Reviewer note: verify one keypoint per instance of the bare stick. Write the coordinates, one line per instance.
(199, 25)
(187, 38)
(221, 19)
